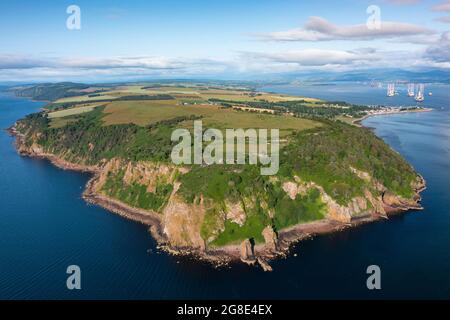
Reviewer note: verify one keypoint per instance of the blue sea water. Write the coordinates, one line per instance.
(45, 226)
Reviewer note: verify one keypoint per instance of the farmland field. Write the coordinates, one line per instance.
(71, 112)
(147, 104)
(201, 93)
(145, 113)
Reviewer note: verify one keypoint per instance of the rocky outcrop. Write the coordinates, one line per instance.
(392, 200)
(336, 212)
(112, 165)
(270, 238)
(236, 213)
(361, 174)
(182, 222)
(264, 265)
(357, 206)
(247, 253)
(291, 189)
(295, 188)
(377, 203)
(149, 174)
(396, 202)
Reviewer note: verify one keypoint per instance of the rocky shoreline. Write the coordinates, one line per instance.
(278, 245)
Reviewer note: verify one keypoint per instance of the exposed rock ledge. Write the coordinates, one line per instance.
(276, 244)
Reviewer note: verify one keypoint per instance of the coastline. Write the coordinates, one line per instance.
(358, 122)
(261, 253)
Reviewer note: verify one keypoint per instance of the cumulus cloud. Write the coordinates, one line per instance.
(142, 67)
(442, 7)
(316, 57)
(320, 29)
(122, 62)
(330, 60)
(9, 61)
(16, 66)
(440, 52)
(13, 67)
(445, 19)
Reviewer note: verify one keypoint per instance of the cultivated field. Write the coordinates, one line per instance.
(180, 101)
(145, 112)
(192, 92)
(71, 111)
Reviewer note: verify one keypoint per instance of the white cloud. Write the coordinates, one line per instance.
(442, 7)
(13, 67)
(123, 62)
(16, 67)
(440, 52)
(331, 60)
(315, 57)
(445, 19)
(9, 61)
(403, 2)
(320, 29)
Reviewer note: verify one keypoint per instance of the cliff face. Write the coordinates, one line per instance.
(370, 204)
(181, 222)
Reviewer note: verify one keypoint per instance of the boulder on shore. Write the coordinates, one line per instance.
(270, 238)
(247, 253)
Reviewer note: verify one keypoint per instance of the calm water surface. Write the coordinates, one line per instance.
(45, 226)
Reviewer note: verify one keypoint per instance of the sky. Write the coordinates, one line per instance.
(142, 39)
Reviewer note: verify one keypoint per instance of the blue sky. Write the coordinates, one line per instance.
(173, 38)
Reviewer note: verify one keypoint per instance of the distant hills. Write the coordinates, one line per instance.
(49, 91)
(429, 75)
(54, 91)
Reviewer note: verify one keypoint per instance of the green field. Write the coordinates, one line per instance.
(70, 112)
(145, 113)
(202, 93)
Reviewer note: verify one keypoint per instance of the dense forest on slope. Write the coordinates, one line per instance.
(326, 156)
(304, 108)
(88, 141)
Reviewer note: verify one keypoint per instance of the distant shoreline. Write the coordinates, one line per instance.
(358, 121)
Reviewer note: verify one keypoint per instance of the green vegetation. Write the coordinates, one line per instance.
(252, 229)
(326, 155)
(256, 194)
(304, 108)
(136, 194)
(86, 140)
(303, 209)
(51, 92)
(70, 112)
(138, 124)
(142, 113)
